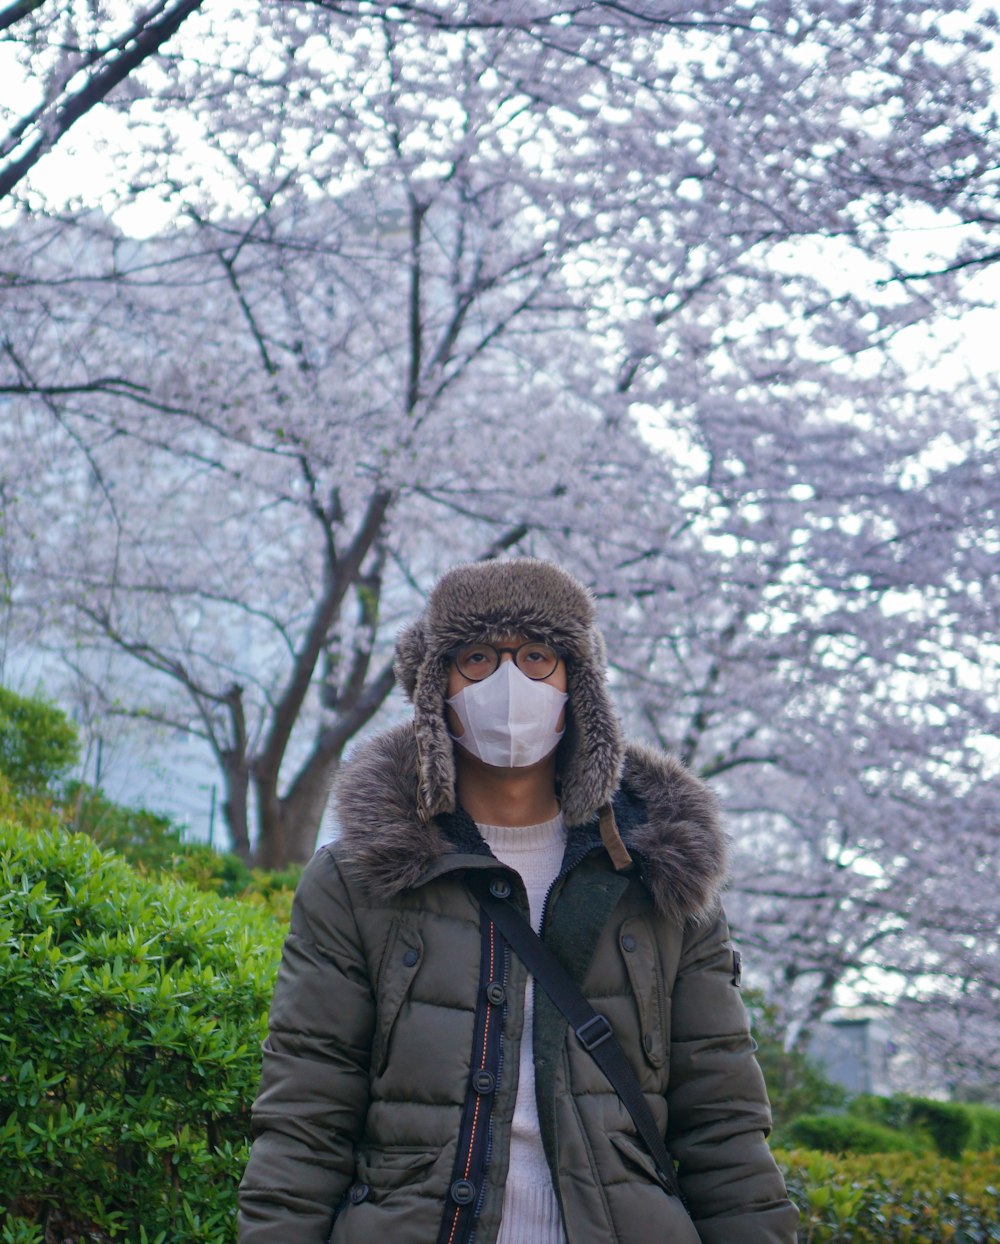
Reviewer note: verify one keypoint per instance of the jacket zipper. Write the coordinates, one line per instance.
(457, 1227)
(489, 1132)
(467, 1188)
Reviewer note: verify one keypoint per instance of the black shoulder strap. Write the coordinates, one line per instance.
(592, 1030)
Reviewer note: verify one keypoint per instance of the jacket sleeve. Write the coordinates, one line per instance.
(313, 1095)
(719, 1114)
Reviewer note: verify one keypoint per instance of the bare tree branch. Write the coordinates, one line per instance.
(128, 51)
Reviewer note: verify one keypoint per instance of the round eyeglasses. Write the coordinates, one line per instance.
(479, 661)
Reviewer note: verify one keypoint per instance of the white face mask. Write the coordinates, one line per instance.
(509, 719)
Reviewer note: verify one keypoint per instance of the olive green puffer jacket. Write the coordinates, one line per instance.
(390, 1071)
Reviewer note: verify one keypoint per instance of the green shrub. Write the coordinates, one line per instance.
(894, 1198)
(31, 812)
(37, 748)
(842, 1133)
(948, 1123)
(153, 844)
(985, 1126)
(133, 1013)
(950, 1127)
(145, 838)
(218, 872)
(226, 874)
(38, 743)
(891, 1112)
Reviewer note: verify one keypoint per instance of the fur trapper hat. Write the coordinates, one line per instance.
(482, 602)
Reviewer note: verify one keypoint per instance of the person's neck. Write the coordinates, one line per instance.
(509, 797)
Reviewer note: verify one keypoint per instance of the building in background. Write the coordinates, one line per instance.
(855, 1049)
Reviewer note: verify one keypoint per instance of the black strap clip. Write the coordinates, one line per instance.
(591, 1040)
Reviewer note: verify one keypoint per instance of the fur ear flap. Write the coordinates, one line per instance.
(590, 764)
(411, 648)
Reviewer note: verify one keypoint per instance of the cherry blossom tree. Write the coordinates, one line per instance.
(74, 57)
(388, 481)
(665, 294)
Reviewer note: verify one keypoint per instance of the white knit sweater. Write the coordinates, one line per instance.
(530, 1209)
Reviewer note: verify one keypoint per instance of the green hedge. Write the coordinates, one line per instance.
(152, 843)
(841, 1133)
(894, 1198)
(38, 747)
(951, 1127)
(895, 1125)
(133, 1010)
(143, 837)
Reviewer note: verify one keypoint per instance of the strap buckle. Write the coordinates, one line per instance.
(591, 1040)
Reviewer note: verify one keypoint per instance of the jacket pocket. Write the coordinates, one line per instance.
(638, 951)
(637, 1154)
(679, 1227)
(384, 1170)
(401, 960)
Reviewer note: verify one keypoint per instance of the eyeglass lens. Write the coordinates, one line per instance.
(478, 661)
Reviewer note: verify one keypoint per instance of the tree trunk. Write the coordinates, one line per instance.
(289, 827)
(235, 806)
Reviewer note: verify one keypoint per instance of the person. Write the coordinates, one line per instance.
(415, 1086)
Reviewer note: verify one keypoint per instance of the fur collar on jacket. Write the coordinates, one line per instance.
(668, 819)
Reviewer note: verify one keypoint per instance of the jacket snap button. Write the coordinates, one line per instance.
(359, 1193)
(484, 1082)
(411, 957)
(496, 992)
(462, 1192)
(500, 887)
(628, 942)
